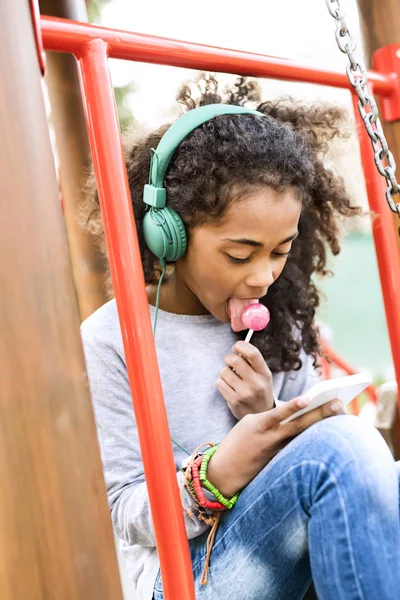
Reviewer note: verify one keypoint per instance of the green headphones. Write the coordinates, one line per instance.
(163, 229)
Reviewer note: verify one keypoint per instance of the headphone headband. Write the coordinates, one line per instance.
(154, 193)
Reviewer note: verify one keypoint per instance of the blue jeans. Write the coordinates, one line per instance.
(325, 508)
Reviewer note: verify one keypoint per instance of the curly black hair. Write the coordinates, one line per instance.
(285, 149)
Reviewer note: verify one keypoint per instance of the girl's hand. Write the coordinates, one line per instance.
(255, 440)
(248, 387)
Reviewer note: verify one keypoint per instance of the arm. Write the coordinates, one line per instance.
(119, 447)
(256, 439)
(244, 452)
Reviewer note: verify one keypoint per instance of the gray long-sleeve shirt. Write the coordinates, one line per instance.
(190, 351)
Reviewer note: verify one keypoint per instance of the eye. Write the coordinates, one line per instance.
(238, 261)
(281, 254)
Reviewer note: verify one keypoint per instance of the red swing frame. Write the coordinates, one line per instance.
(92, 46)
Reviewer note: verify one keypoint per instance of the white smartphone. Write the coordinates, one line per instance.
(340, 388)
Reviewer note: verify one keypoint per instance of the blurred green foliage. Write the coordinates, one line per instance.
(94, 9)
(353, 306)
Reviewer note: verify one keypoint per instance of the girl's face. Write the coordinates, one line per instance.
(242, 256)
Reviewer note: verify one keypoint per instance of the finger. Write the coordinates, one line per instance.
(253, 356)
(272, 418)
(227, 392)
(329, 409)
(233, 380)
(240, 365)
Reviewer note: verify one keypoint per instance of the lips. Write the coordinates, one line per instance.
(235, 309)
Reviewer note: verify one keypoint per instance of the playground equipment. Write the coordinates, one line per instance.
(50, 472)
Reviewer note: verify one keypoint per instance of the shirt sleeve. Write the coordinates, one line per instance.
(296, 383)
(120, 450)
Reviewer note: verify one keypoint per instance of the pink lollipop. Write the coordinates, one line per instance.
(255, 317)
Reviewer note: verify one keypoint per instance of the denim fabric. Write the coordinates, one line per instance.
(326, 507)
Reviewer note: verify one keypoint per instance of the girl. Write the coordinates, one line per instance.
(318, 497)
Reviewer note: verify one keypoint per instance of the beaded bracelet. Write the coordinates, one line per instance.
(192, 468)
(193, 485)
(198, 489)
(205, 459)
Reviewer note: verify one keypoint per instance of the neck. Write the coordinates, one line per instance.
(176, 297)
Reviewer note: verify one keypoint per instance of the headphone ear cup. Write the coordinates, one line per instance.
(178, 234)
(154, 234)
(165, 234)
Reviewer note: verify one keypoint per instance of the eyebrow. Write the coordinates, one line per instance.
(255, 244)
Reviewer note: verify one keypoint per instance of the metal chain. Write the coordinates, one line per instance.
(358, 78)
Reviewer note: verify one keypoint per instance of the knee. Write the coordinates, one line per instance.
(351, 442)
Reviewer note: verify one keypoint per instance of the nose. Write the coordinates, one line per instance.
(261, 278)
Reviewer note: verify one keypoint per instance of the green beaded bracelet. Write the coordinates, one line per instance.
(209, 486)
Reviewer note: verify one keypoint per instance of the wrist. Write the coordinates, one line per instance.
(220, 478)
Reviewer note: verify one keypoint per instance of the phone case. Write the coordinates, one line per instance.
(340, 388)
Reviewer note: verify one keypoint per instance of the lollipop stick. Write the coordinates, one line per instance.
(249, 334)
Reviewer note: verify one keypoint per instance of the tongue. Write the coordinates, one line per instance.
(235, 308)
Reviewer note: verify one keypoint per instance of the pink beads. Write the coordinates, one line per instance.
(255, 317)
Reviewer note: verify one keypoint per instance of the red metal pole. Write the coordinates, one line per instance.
(61, 35)
(133, 310)
(385, 241)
